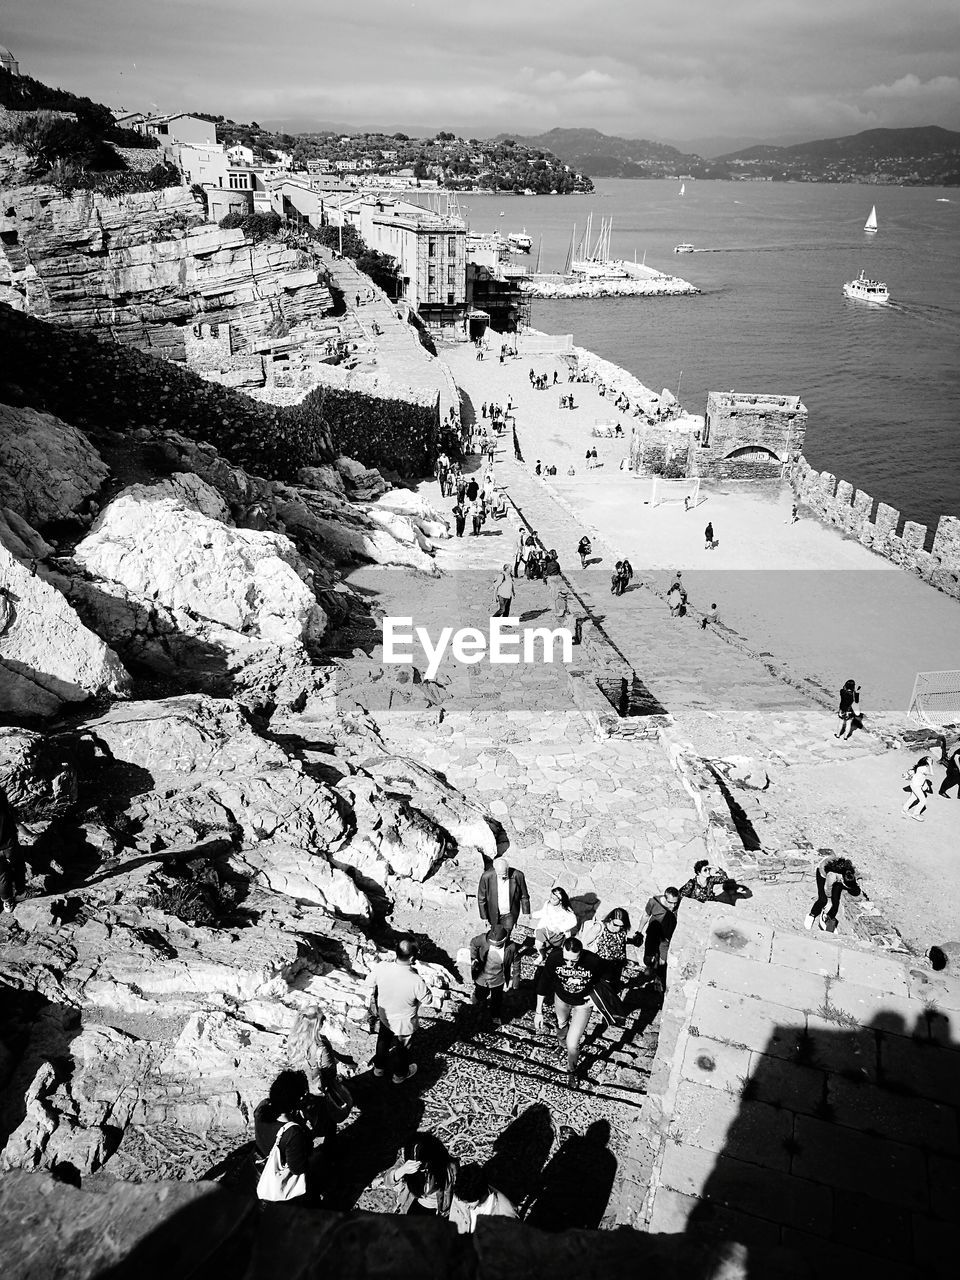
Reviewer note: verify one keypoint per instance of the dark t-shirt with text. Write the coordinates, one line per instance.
(572, 979)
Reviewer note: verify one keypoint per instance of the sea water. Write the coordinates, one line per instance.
(881, 383)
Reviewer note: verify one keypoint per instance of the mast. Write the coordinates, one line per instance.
(569, 258)
(539, 251)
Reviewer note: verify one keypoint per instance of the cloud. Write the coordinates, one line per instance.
(652, 70)
(912, 89)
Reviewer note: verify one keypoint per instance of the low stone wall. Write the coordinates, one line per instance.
(852, 510)
(178, 1228)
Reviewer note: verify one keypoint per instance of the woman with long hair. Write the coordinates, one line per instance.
(610, 946)
(309, 1050)
(920, 784)
(835, 876)
(849, 708)
(423, 1177)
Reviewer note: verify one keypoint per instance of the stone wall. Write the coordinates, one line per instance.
(748, 437)
(838, 503)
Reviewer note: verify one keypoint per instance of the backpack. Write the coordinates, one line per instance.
(277, 1182)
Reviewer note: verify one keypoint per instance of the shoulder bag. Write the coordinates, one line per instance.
(277, 1182)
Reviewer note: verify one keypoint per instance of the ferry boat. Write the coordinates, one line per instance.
(520, 240)
(865, 290)
(683, 248)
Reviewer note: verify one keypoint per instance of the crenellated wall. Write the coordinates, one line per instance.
(852, 510)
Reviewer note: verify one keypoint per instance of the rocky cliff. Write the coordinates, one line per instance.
(213, 826)
(145, 269)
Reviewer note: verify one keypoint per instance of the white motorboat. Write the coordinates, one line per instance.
(520, 240)
(683, 248)
(870, 226)
(864, 290)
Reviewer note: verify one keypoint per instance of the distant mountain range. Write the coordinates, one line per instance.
(928, 154)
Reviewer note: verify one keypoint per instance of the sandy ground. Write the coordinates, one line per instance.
(820, 603)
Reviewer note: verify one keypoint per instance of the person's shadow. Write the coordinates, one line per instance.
(520, 1153)
(576, 1184)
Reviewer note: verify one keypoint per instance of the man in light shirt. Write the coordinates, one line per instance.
(397, 993)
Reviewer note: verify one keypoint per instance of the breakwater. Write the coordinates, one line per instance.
(878, 526)
(632, 279)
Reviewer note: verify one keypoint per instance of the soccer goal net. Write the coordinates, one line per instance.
(936, 698)
(666, 493)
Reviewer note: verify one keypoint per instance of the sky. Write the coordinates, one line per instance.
(669, 70)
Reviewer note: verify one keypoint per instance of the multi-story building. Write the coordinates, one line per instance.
(430, 249)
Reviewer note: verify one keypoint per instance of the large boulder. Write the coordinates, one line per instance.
(163, 571)
(48, 658)
(48, 469)
(305, 877)
(429, 792)
(391, 838)
(21, 539)
(187, 735)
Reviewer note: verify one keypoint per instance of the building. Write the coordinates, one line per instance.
(239, 154)
(430, 249)
(8, 62)
(748, 437)
(177, 127)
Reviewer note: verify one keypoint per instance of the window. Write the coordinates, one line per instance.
(452, 247)
(451, 275)
(238, 182)
(432, 246)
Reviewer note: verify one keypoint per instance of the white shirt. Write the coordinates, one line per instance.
(503, 895)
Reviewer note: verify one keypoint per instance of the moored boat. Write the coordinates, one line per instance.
(520, 240)
(864, 290)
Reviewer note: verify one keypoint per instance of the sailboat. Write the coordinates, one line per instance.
(683, 188)
(870, 226)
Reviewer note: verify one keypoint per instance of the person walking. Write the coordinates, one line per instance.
(12, 874)
(475, 515)
(570, 974)
(503, 590)
(658, 927)
(920, 784)
(849, 709)
(610, 948)
(835, 876)
(473, 489)
(626, 570)
(423, 1177)
(709, 543)
(502, 894)
(952, 776)
(584, 550)
(279, 1127)
(495, 969)
(616, 579)
(460, 517)
(397, 994)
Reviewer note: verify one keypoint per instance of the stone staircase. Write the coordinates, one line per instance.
(615, 1062)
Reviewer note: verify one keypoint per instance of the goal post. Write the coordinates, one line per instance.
(936, 698)
(673, 493)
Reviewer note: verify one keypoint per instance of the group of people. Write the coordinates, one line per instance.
(621, 576)
(592, 460)
(567, 402)
(919, 781)
(540, 381)
(532, 560)
(548, 470)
